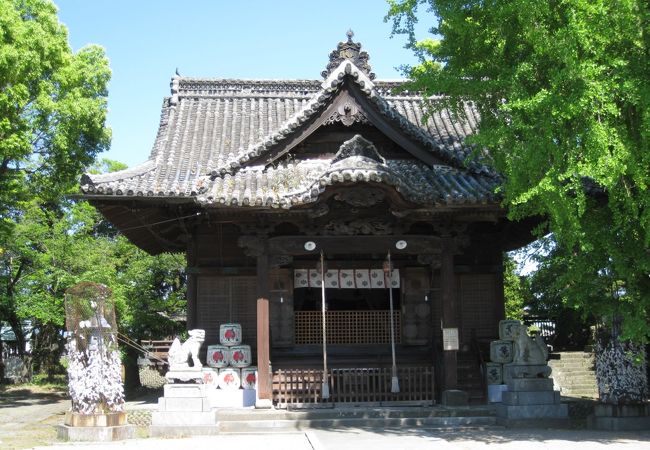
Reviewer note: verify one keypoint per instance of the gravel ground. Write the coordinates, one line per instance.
(28, 416)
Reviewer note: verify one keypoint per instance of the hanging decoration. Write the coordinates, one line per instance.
(346, 278)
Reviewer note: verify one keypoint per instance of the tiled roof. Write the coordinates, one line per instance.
(213, 131)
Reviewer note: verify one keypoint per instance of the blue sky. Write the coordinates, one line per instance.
(147, 40)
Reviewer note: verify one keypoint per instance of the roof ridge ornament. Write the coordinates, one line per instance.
(358, 146)
(352, 51)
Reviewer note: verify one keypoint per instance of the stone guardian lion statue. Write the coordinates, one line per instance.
(179, 354)
(528, 350)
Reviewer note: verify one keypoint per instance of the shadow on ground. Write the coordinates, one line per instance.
(10, 398)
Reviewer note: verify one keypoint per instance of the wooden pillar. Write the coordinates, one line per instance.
(449, 311)
(191, 293)
(263, 354)
(263, 335)
(263, 276)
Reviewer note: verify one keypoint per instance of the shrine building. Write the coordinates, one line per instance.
(254, 180)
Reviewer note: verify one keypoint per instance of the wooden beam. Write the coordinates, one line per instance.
(295, 245)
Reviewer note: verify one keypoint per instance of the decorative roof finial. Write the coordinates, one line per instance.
(349, 50)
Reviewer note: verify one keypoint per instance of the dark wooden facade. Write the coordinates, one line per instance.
(244, 173)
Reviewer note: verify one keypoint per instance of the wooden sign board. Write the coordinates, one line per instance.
(450, 339)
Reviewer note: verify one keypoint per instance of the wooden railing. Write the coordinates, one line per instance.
(346, 327)
(355, 385)
(156, 349)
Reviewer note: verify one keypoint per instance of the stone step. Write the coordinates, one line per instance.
(578, 388)
(573, 370)
(573, 357)
(251, 426)
(585, 365)
(326, 413)
(573, 383)
(582, 394)
(575, 377)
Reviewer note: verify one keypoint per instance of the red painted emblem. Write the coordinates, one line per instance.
(217, 356)
(230, 334)
(250, 378)
(229, 378)
(238, 356)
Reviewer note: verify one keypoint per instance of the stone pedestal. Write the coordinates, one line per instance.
(94, 427)
(185, 374)
(620, 417)
(454, 397)
(495, 392)
(183, 411)
(529, 400)
(237, 398)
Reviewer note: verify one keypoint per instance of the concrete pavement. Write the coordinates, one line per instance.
(390, 439)
(27, 421)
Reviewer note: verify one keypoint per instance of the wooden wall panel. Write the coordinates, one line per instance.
(222, 299)
(281, 306)
(479, 308)
(416, 312)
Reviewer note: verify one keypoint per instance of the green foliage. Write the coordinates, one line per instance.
(52, 106)
(515, 290)
(105, 165)
(563, 91)
(52, 250)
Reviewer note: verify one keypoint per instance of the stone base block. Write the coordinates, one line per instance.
(609, 410)
(558, 411)
(189, 374)
(174, 404)
(183, 418)
(454, 397)
(514, 370)
(185, 390)
(619, 423)
(166, 431)
(237, 398)
(531, 398)
(620, 417)
(495, 392)
(263, 403)
(530, 384)
(534, 423)
(112, 419)
(96, 434)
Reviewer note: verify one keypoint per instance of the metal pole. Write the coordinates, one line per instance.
(325, 393)
(394, 385)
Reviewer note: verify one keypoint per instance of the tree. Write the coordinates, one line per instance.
(515, 290)
(52, 107)
(52, 115)
(54, 249)
(563, 91)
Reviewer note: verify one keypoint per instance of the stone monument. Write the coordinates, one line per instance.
(184, 408)
(530, 395)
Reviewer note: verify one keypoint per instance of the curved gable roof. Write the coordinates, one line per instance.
(214, 133)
